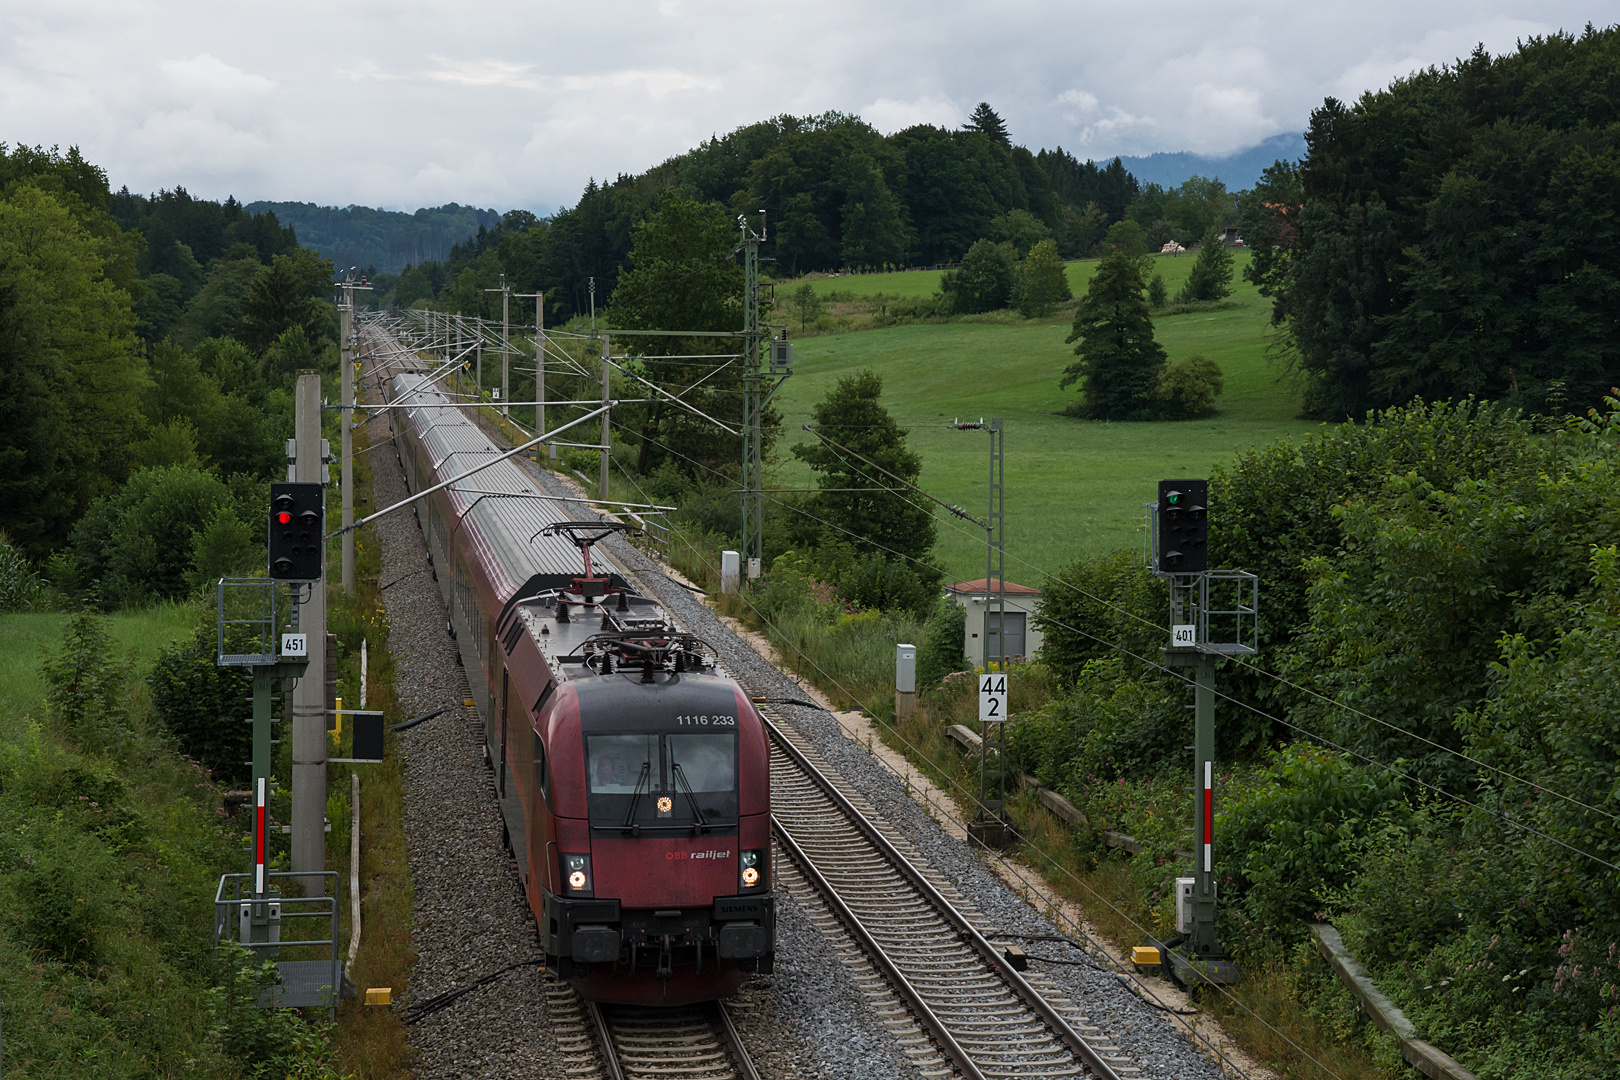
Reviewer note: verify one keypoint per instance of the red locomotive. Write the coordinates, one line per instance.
(633, 775)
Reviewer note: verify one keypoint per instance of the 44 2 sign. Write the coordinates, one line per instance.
(993, 697)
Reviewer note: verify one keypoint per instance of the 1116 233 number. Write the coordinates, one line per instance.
(705, 720)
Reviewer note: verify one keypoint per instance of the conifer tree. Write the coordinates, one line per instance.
(1119, 363)
(853, 416)
(985, 119)
(1211, 277)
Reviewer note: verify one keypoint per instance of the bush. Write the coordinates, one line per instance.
(21, 589)
(1186, 390)
(1304, 832)
(203, 705)
(884, 583)
(1158, 293)
(941, 650)
(70, 897)
(86, 685)
(269, 1044)
(1116, 723)
(1094, 603)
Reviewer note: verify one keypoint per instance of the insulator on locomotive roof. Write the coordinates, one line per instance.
(624, 601)
(647, 670)
(562, 610)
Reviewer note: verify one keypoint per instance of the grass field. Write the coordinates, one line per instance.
(26, 639)
(924, 282)
(1073, 487)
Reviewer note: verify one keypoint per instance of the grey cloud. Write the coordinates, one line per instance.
(419, 103)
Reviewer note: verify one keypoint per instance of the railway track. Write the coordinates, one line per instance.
(982, 1019)
(622, 1042)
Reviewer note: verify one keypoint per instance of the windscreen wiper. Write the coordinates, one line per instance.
(635, 798)
(691, 799)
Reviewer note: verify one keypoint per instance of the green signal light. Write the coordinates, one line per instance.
(1175, 496)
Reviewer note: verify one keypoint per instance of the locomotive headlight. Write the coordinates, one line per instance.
(576, 875)
(752, 868)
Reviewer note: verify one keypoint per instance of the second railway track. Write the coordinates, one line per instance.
(986, 1020)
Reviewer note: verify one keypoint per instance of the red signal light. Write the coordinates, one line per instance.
(284, 517)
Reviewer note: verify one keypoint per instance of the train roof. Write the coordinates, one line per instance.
(500, 505)
(502, 514)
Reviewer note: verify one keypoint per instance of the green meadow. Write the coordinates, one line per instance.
(1073, 487)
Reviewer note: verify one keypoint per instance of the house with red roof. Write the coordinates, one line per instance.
(1017, 624)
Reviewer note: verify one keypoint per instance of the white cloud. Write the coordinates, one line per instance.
(206, 74)
(888, 115)
(484, 72)
(658, 82)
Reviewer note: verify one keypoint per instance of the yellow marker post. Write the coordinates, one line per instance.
(337, 732)
(379, 995)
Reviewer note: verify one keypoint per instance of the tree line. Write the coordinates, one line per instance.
(836, 193)
(385, 240)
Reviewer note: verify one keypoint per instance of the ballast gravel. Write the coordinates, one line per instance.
(469, 917)
(807, 1020)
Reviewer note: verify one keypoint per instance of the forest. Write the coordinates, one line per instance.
(149, 347)
(1454, 234)
(837, 194)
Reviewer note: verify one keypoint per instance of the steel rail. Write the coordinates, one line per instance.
(604, 1039)
(660, 1041)
(890, 970)
(733, 1040)
(1030, 997)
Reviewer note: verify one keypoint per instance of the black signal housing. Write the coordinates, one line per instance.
(296, 540)
(1183, 546)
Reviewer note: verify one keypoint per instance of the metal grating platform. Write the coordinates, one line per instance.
(307, 983)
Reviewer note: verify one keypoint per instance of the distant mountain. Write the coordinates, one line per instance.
(1237, 171)
(389, 240)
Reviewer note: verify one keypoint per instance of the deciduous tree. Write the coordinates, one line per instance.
(985, 280)
(1044, 282)
(71, 367)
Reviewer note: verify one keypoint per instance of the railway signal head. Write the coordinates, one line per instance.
(296, 533)
(1183, 546)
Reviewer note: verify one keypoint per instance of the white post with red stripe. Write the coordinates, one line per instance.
(260, 784)
(1209, 811)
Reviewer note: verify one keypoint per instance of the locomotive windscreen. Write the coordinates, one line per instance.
(662, 781)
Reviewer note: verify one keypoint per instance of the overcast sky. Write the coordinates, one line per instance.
(420, 102)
